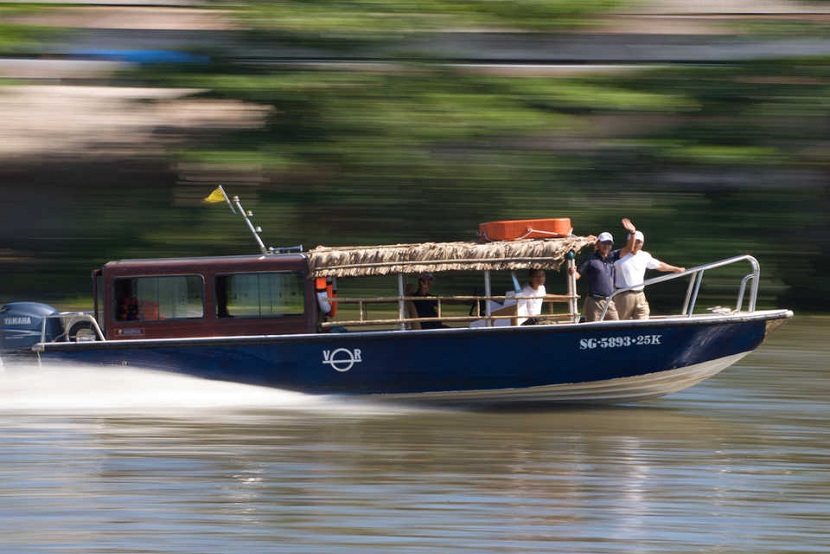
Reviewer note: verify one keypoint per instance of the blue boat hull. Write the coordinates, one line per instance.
(453, 363)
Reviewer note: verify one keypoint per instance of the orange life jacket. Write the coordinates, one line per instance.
(324, 284)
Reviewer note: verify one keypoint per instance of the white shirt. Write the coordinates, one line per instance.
(630, 270)
(529, 307)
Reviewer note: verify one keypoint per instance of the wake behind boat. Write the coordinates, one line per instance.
(275, 319)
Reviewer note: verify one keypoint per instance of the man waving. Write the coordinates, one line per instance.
(630, 270)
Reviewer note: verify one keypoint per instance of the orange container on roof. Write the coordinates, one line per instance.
(516, 229)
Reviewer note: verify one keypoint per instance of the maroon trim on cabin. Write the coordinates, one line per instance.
(210, 325)
(96, 313)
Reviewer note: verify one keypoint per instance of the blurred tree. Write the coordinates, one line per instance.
(17, 37)
(709, 160)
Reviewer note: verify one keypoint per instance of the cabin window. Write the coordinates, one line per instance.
(157, 298)
(260, 294)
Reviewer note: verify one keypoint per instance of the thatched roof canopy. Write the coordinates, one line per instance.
(352, 261)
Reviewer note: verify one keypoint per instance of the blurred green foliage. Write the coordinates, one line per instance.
(390, 18)
(18, 37)
(709, 160)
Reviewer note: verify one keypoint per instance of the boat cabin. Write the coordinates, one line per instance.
(205, 296)
(278, 293)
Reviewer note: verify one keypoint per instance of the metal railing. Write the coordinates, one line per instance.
(476, 313)
(697, 278)
(68, 321)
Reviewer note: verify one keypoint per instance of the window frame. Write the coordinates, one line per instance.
(115, 304)
(225, 274)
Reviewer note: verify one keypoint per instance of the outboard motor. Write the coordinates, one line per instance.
(21, 324)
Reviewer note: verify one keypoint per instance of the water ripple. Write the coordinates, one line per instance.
(131, 461)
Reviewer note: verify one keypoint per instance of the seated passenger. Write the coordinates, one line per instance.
(127, 309)
(530, 298)
(327, 305)
(323, 300)
(426, 308)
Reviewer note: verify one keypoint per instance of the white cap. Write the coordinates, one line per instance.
(605, 237)
(638, 235)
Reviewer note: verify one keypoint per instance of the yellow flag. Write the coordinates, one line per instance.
(218, 195)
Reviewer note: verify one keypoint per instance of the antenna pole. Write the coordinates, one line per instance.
(247, 217)
(227, 200)
(235, 206)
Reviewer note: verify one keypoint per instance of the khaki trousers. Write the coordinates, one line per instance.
(593, 309)
(632, 305)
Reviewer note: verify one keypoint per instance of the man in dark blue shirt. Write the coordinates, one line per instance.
(426, 308)
(599, 270)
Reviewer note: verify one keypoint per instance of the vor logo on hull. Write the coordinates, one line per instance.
(342, 359)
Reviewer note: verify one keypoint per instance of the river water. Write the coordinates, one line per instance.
(124, 461)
